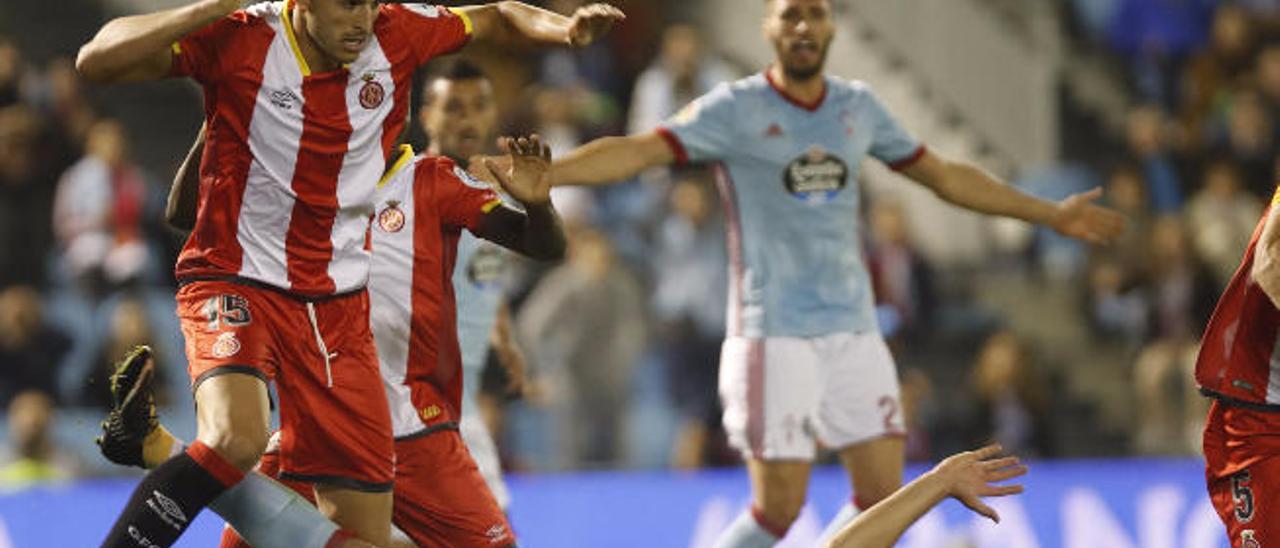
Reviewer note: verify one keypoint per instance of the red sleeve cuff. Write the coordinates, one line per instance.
(677, 148)
(909, 160)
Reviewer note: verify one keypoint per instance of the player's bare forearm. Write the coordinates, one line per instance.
(511, 22)
(137, 47)
(970, 187)
(1266, 260)
(611, 160)
(537, 233)
(184, 194)
(882, 524)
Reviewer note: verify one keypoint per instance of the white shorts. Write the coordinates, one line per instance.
(480, 443)
(783, 396)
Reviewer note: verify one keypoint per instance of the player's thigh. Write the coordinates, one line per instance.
(860, 394)
(364, 514)
(479, 442)
(233, 417)
(769, 388)
(442, 499)
(779, 487)
(875, 467)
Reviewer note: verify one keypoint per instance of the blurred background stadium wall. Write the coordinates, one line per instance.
(1001, 331)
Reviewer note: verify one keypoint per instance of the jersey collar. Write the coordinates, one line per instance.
(809, 106)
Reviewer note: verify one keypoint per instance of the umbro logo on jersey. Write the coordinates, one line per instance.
(285, 99)
(774, 130)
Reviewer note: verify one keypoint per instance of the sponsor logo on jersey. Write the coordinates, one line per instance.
(486, 267)
(430, 412)
(496, 533)
(372, 93)
(817, 176)
(391, 220)
(226, 345)
(285, 99)
(142, 541)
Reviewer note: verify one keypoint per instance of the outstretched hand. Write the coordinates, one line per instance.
(1081, 218)
(971, 476)
(526, 175)
(592, 22)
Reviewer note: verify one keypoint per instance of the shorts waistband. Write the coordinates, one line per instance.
(451, 425)
(247, 282)
(1236, 402)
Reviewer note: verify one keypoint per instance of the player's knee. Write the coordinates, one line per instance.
(242, 450)
(781, 512)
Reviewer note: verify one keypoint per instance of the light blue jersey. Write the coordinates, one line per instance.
(477, 286)
(790, 183)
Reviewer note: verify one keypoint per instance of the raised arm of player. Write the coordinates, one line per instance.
(1266, 259)
(509, 22)
(537, 232)
(611, 160)
(968, 477)
(184, 194)
(138, 47)
(972, 188)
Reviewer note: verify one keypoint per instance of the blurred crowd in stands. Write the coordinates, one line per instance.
(623, 337)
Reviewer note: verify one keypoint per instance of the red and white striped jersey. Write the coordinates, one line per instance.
(1240, 352)
(423, 205)
(287, 180)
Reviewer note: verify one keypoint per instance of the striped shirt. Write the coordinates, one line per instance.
(287, 180)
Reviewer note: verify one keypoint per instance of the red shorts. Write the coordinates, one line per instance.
(1242, 471)
(441, 499)
(335, 426)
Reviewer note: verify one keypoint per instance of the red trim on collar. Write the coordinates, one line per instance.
(810, 106)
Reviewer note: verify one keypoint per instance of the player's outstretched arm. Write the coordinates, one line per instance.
(611, 160)
(537, 232)
(513, 22)
(138, 47)
(967, 477)
(970, 187)
(1266, 260)
(184, 194)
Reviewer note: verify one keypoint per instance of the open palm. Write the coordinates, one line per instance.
(526, 174)
(971, 476)
(1081, 218)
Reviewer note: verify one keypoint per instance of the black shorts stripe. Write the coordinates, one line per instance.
(340, 481)
(228, 370)
(429, 430)
(1234, 402)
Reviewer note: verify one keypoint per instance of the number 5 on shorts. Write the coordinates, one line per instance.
(227, 310)
(1242, 494)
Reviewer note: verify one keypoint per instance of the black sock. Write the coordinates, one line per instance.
(163, 505)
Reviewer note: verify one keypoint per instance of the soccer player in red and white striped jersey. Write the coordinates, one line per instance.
(1239, 369)
(303, 102)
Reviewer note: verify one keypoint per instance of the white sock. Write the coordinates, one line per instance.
(843, 517)
(746, 532)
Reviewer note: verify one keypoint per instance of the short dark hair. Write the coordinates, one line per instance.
(457, 70)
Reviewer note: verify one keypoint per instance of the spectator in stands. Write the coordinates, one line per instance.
(902, 280)
(918, 414)
(26, 197)
(1215, 68)
(1266, 73)
(32, 458)
(67, 109)
(30, 350)
(10, 72)
(1012, 398)
(98, 213)
(1127, 192)
(690, 277)
(1155, 36)
(1221, 218)
(1180, 289)
(129, 327)
(1246, 134)
(1148, 149)
(682, 72)
(584, 326)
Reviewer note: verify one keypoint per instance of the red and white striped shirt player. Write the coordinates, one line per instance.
(291, 158)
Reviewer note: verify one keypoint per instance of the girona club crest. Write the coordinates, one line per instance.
(372, 93)
(391, 219)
